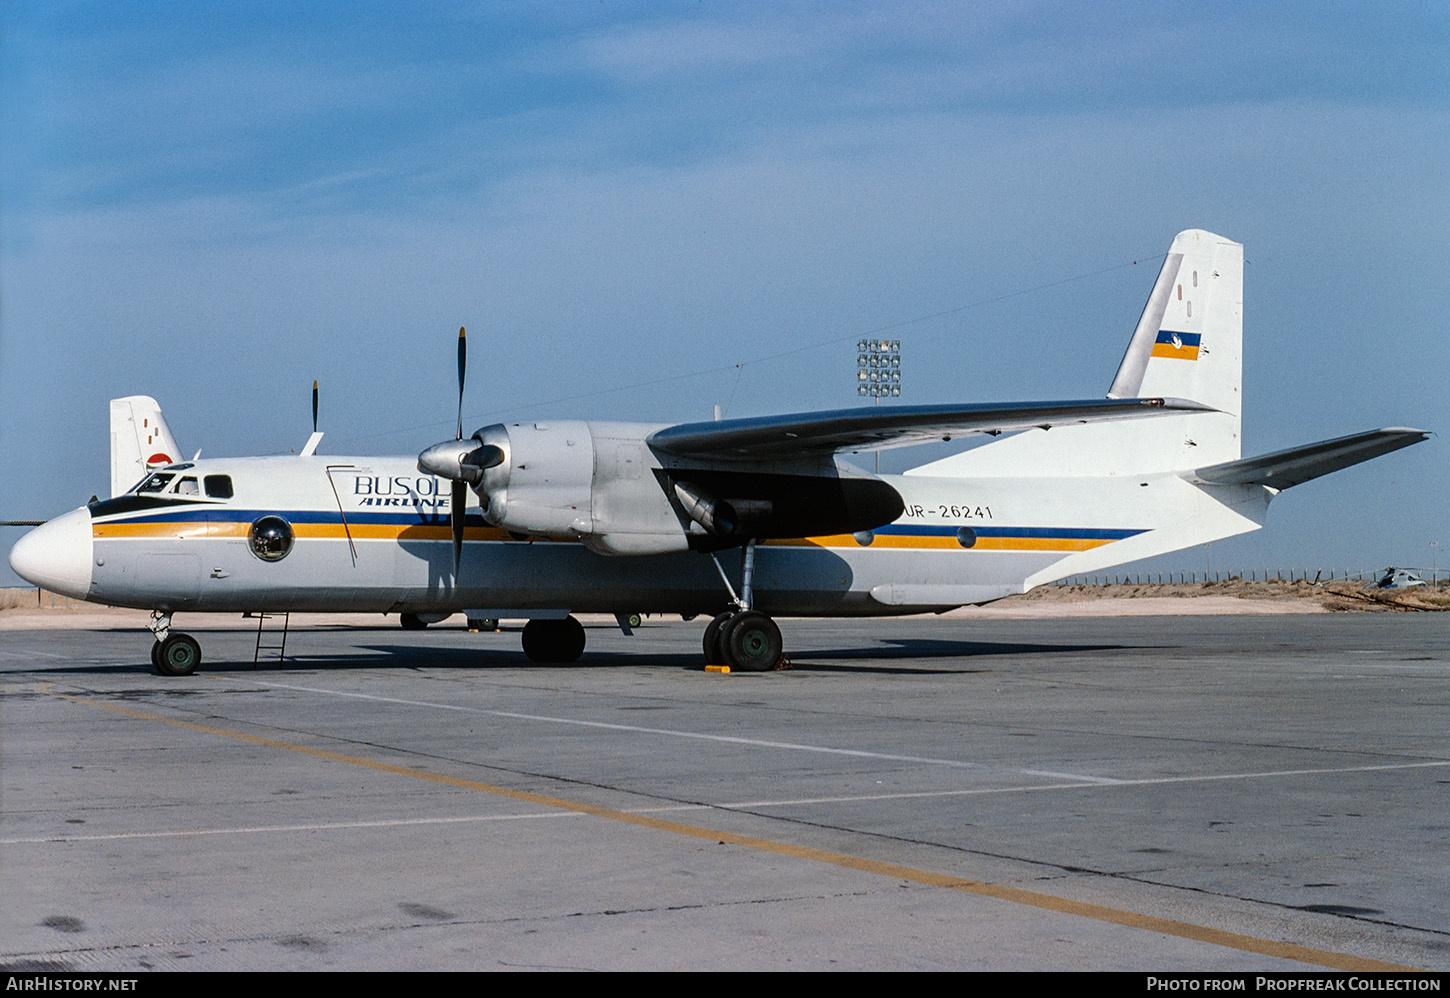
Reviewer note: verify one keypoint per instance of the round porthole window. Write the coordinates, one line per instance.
(271, 538)
(966, 537)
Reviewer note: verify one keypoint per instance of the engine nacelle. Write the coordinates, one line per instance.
(572, 480)
(600, 483)
(544, 483)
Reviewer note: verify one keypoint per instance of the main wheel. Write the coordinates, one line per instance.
(554, 640)
(411, 622)
(750, 642)
(178, 655)
(482, 624)
(714, 653)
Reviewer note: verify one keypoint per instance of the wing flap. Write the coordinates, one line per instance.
(832, 431)
(1286, 468)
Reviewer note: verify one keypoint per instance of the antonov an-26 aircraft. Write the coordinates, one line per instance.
(741, 519)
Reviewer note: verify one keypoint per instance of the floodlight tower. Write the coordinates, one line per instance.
(878, 372)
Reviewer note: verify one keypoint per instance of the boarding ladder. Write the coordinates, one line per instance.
(271, 639)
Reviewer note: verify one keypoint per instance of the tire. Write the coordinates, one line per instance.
(714, 652)
(178, 655)
(482, 624)
(554, 640)
(751, 642)
(634, 620)
(156, 655)
(571, 640)
(411, 622)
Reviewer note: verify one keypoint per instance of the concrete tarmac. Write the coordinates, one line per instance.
(1128, 793)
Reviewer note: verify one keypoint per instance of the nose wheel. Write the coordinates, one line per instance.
(176, 655)
(172, 654)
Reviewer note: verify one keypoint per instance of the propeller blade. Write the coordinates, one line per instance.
(314, 407)
(462, 367)
(455, 520)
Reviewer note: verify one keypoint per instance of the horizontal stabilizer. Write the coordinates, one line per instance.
(891, 426)
(1289, 467)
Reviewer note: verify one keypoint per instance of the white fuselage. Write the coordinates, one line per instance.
(372, 534)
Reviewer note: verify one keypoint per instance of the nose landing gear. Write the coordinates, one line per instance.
(172, 654)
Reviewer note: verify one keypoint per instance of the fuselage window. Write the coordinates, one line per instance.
(271, 538)
(218, 486)
(188, 487)
(155, 483)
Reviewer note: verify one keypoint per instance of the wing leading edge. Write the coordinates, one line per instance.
(835, 430)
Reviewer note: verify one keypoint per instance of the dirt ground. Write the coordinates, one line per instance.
(1231, 596)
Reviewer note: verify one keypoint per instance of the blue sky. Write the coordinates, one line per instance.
(643, 209)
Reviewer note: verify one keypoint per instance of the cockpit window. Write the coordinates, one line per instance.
(188, 487)
(218, 486)
(155, 483)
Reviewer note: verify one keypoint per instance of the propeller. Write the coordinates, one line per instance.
(463, 463)
(459, 504)
(316, 438)
(462, 370)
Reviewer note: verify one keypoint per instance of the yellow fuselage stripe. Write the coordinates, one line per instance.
(441, 532)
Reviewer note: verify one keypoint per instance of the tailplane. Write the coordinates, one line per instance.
(140, 441)
(1286, 468)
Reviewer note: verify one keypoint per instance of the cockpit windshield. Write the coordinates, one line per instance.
(155, 483)
(185, 486)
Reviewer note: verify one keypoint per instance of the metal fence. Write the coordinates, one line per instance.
(1251, 575)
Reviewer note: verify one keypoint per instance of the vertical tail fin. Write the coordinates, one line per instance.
(1189, 345)
(140, 441)
(1189, 341)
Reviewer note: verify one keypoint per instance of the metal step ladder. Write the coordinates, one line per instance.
(271, 639)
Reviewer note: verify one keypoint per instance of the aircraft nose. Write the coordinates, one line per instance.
(57, 555)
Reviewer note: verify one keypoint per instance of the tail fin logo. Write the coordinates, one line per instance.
(1178, 346)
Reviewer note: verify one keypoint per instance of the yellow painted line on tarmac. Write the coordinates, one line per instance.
(1000, 892)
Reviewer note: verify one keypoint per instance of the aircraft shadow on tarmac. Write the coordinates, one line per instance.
(923, 648)
(879, 659)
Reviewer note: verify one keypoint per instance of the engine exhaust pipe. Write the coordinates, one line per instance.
(722, 517)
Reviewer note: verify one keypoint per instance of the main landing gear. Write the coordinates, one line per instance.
(172, 654)
(746, 640)
(554, 640)
(545, 639)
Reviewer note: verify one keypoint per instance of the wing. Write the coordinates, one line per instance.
(816, 433)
